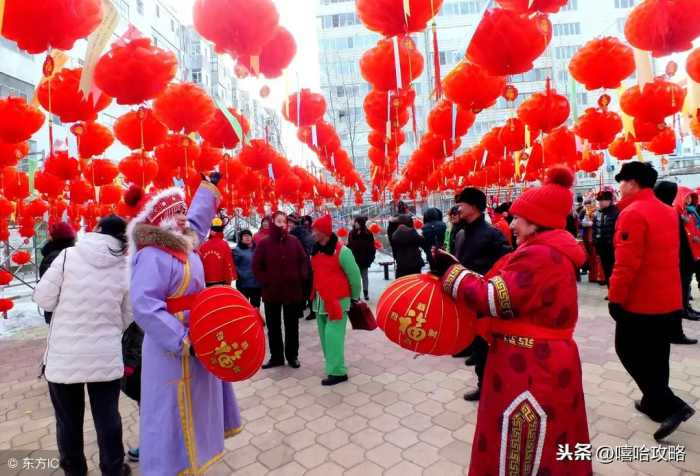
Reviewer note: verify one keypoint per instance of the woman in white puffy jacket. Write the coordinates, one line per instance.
(86, 288)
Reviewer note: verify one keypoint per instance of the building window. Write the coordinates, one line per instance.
(571, 5)
(621, 24)
(565, 52)
(582, 99)
(624, 3)
(566, 29)
(139, 6)
(197, 76)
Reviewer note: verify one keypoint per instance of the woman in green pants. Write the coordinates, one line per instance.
(337, 281)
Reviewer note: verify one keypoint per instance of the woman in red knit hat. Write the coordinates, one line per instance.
(532, 415)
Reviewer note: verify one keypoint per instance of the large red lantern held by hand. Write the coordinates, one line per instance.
(40, 24)
(67, 100)
(227, 334)
(506, 42)
(415, 313)
(140, 129)
(136, 71)
(470, 86)
(378, 64)
(238, 27)
(18, 120)
(602, 63)
(389, 17)
(169, 107)
(663, 26)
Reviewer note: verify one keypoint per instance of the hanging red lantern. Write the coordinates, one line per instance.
(470, 86)
(378, 64)
(208, 158)
(6, 305)
(645, 131)
(695, 127)
(62, 165)
(693, 65)
(415, 313)
(110, 194)
(140, 129)
(327, 140)
(39, 25)
(93, 139)
(543, 111)
(10, 154)
(99, 172)
(491, 142)
(18, 120)
(21, 257)
(168, 107)
(275, 56)
(440, 120)
(663, 26)
(81, 192)
(48, 184)
(379, 140)
(259, 155)
(15, 184)
(558, 147)
(437, 147)
(138, 168)
(36, 208)
(239, 27)
(227, 334)
(506, 42)
(663, 143)
(374, 228)
(512, 135)
(312, 106)
(391, 17)
(656, 101)
(219, 132)
(5, 277)
(177, 151)
(532, 6)
(599, 127)
(381, 107)
(623, 148)
(135, 71)
(602, 63)
(67, 100)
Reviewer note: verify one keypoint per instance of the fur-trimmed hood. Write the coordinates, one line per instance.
(142, 235)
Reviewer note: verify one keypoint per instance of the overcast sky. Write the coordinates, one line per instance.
(299, 17)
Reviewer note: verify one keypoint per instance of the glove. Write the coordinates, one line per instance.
(441, 262)
(616, 311)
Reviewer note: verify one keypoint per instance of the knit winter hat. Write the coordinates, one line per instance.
(549, 205)
(324, 225)
(62, 231)
(472, 196)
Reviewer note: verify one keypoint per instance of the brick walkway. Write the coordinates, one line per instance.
(398, 415)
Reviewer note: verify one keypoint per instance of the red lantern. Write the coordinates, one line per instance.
(558, 147)
(40, 24)
(93, 138)
(599, 127)
(544, 111)
(695, 127)
(258, 155)
(602, 63)
(10, 154)
(219, 132)
(343, 233)
(18, 120)
(531, 6)
(327, 140)
(239, 27)
(135, 72)
(139, 169)
(379, 140)
(168, 107)
(276, 55)
(6, 305)
(312, 106)
(693, 65)
(415, 313)
(81, 192)
(440, 120)
(378, 64)
(663, 143)
(67, 100)
(100, 172)
(36, 208)
(20, 258)
(512, 135)
(470, 86)
(645, 131)
(62, 165)
(506, 42)
(5, 277)
(110, 194)
(381, 107)
(227, 334)
(389, 18)
(656, 101)
(663, 26)
(177, 151)
(140, 129)
(374, 228)
(287, 186)
(208, 158)
(623, 148)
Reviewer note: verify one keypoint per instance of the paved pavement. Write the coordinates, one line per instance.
(398, 415)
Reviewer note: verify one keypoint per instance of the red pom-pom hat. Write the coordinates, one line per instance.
(548, 205)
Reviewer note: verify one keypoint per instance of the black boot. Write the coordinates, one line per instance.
(471, 361)
(671, 424)
(640, 409)
(334, 380)
(691, 314)
(272, 363)
(683, 340)
(473, 396)
(295, 364)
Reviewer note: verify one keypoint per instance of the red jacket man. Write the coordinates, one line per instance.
(645, 294)
(217, 258)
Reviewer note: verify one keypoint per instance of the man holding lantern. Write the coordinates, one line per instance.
(186, 412)
(533, 407)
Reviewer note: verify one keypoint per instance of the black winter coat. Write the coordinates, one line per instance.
(361, 243)
(479, 245)
(407, 245)
(49, 252)
(393, 226)
(604, 226)
(434, 228)
(304, 236)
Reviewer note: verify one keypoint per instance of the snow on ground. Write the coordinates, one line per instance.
(24, 317)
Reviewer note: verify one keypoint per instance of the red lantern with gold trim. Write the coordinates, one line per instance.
(227, 334)
(415, 313)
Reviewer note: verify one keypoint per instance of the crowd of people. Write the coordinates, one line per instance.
(516, 264)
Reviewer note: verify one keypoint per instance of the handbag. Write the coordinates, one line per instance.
(361, 317)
